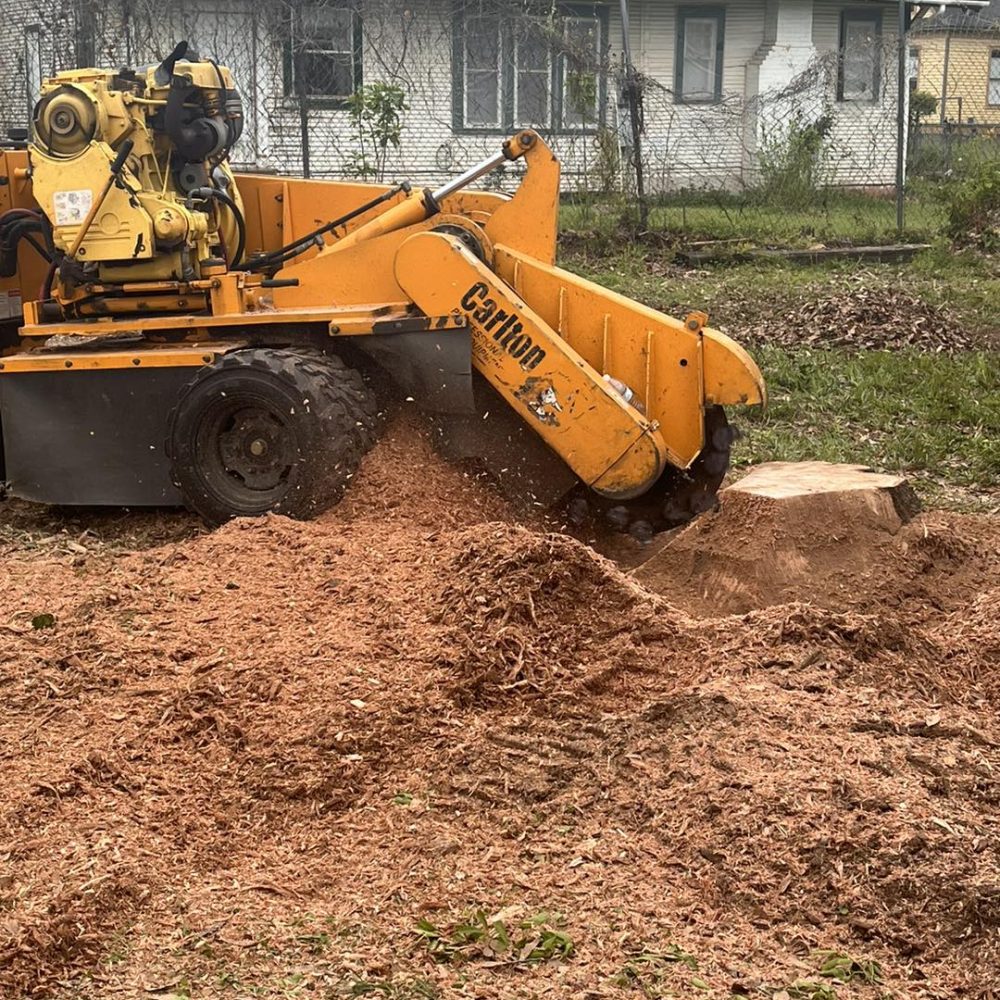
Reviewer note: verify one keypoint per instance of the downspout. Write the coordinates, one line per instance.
(944, 75)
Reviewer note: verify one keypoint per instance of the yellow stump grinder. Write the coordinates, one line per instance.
(190, 335)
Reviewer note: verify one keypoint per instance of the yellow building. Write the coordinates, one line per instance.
(955, 56)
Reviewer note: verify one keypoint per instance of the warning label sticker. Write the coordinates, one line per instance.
(71, 207)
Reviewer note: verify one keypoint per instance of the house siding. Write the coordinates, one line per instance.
(780, 65)
(695, 145)
(767, 44)
(862, 137)
(968, 67)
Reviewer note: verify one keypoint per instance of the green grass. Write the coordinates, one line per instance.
(833, 216)
(740, 294)
(647, 970)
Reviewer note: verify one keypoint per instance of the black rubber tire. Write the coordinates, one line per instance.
(269, 429)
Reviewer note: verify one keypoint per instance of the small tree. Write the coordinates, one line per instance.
(376, 112)
(922, 104)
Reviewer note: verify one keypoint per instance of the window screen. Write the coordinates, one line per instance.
(513, 68)
(483, 53)
(323, 60)
(533, 76)
(698, 73)
(581, 85)
(860, 41)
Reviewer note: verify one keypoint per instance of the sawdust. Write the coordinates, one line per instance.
(250, 761)
(837, 551)
(535, 612)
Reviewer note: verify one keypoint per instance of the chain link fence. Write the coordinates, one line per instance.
(738, 137)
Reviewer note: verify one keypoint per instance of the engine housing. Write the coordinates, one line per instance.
(174, 205)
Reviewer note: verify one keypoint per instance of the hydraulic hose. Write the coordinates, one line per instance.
(276, 258)
(39, 249)
(207, 194)
(14, 227)
(241, 227)
(22, 213)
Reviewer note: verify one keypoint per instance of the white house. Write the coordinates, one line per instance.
(722, 80)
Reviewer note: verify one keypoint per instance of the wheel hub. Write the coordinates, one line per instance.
(256, 448)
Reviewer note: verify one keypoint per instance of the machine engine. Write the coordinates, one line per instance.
(130, 170)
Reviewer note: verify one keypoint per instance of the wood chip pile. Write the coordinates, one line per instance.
(257, 762)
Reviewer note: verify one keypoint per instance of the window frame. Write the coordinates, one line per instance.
(913, 62)
(594, 11)
(330, 101)
(685, 14)
(873, 17)
(990, 78)
(501, 62)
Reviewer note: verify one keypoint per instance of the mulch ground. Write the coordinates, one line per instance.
(250, 762)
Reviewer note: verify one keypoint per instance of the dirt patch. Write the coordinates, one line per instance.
(250, 761)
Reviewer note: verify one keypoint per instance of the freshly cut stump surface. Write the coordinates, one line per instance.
(795, 480)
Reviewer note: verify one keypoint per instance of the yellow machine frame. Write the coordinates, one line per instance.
(544, 338)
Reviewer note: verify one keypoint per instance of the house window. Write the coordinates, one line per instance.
(913, 67)
(532, 75)
(698, 68)
(511, 69)
(860, 43)
(483, 53)
(323, 52)
(581, 83)
(993, 92)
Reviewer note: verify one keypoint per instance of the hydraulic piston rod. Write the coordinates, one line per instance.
(420, 205)
(470, 175)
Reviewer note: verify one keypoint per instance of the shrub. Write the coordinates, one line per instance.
(974, 207)
(607, 167)
(922, 104)
(791, 165)
(376, 111)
